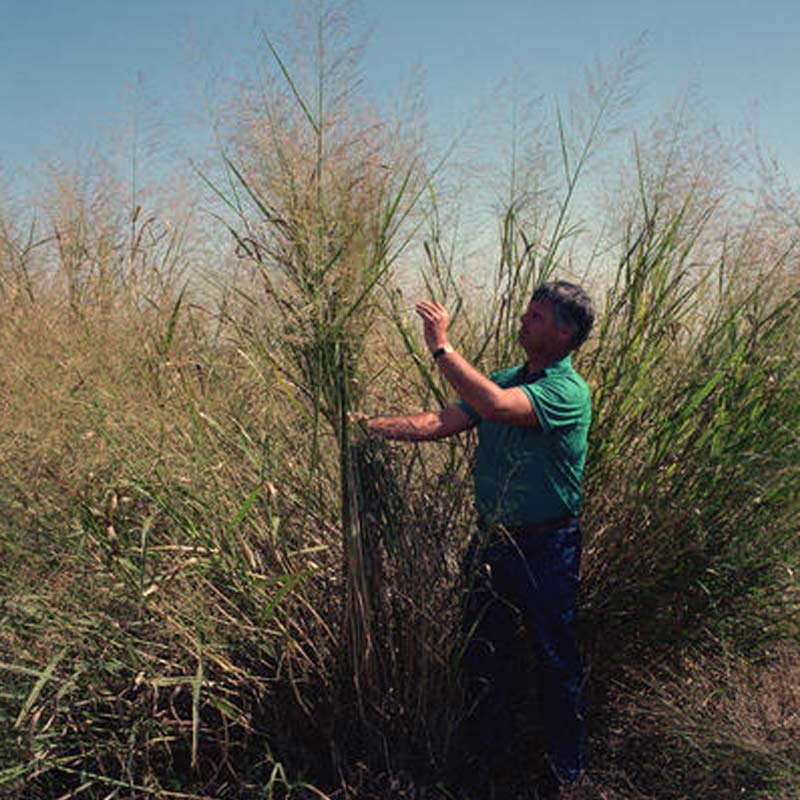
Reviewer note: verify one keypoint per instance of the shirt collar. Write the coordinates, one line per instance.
(555, 366)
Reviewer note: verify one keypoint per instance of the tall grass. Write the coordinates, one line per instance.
(321, 208)
(213, 586)
(693, 407)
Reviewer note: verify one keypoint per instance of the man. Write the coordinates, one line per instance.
(533, 422)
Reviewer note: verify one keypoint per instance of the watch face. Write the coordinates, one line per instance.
(442, 350)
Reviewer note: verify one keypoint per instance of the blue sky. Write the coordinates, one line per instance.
(68, 68)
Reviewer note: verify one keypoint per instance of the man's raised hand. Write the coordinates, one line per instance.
(435, 319)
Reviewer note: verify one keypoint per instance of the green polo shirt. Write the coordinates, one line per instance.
(532, 474)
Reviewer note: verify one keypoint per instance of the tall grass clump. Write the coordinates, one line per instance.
(696, 408)
(692, 485)
(321, 198)
(117, 532)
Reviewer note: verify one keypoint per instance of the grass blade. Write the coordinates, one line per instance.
(197, 685)
(38, 686)
(292, 84)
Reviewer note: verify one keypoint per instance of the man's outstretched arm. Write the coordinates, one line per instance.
(423, 427)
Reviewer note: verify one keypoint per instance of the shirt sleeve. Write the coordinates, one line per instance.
(557, 403)
(468, 410)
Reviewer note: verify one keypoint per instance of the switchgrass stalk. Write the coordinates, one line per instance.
(323, 257)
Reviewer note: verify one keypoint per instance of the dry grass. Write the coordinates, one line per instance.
(715, 726)
(203, 592)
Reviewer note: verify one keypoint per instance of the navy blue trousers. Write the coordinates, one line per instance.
(529, 580)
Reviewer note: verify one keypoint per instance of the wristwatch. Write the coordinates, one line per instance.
(440, 351)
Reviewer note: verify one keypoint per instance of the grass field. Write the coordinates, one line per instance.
(213, 586)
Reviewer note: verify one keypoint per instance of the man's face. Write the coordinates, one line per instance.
(538, 330)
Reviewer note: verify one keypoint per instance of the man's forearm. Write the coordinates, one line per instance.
(470, 384)
(425, 426)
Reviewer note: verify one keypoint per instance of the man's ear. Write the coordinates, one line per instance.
(566, 335)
